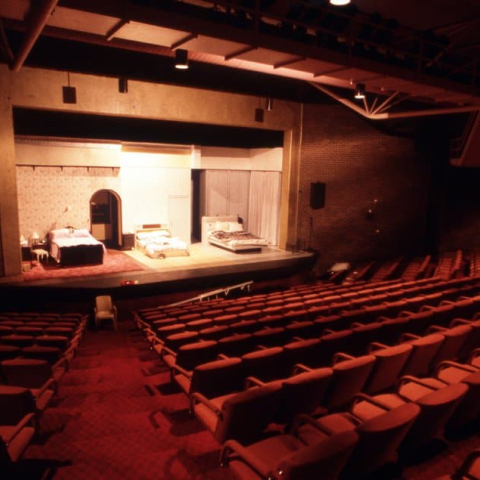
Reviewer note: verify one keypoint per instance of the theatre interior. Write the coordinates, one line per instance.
(239, 239)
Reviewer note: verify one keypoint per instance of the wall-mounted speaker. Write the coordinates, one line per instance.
(317, 195)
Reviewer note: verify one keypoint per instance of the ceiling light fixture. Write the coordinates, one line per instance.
(181, 59)
(360, 91)
(339, 2)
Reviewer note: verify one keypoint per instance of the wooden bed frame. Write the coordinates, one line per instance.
(208, 226)
(156, 227)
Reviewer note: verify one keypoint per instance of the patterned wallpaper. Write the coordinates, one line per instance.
(54, 197)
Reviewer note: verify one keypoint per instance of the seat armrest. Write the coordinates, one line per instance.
(363, 397)
(252, 382)
(46, 386)
(425, 308)
(303, 419)
(435, 329)
(255, 463)
(199, 398)
(448, 363)
(405, 313)
(300, 367)
(356, 324)
(374, 346)
(474, 354)
(408, 336)
(181, 370)
(222, 356)
(459, 321)
(340, 357)
(410, 378)
(29, 418)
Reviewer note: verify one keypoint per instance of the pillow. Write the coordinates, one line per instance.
(80, 233)
(60, 233)
(235, 227)
(223, 226)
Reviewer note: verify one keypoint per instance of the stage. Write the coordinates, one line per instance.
(207, 267)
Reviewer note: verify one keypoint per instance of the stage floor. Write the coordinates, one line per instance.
(205, 263)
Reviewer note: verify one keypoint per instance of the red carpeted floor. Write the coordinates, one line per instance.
(114, 262)
(119, 417)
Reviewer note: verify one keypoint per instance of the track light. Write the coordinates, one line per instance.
(339, 2)
(360, 90)
(181, 59)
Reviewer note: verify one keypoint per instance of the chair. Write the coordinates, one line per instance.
(470, 468)
(242, 416)
(287, 457)
(105, 310)
(14, 439)
(379, 438)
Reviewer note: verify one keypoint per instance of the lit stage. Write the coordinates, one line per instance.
(207, 267)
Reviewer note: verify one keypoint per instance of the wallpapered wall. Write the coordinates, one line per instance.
(54, 197)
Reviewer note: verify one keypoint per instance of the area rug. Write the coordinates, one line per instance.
(114, 262)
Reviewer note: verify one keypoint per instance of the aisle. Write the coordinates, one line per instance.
(118, 417)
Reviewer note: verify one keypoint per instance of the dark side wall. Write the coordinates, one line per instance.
(364, 168)
(461, 214)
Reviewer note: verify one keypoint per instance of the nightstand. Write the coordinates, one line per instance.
(128, 241)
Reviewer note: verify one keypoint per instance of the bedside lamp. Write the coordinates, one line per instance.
(34, 238)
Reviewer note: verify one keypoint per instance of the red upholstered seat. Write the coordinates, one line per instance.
(287, 457)
(242, 416)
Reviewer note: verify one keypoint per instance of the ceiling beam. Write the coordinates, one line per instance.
(34, 29)
(116, 28)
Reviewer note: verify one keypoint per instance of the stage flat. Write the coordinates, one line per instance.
(206, 266)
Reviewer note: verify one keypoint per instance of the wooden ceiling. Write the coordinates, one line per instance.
(382, 44)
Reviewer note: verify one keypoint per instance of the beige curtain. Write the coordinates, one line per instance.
(264, 205)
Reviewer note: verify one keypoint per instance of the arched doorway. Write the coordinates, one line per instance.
(106, 217)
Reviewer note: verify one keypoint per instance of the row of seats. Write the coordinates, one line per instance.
(378, 420)
(378, 370)
(301, 341)
(29, 381)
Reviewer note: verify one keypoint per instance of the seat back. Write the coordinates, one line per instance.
(217, 378)
(348, 379)
(15, 403)
(196, 353)
(436, 409)
(389, 363)
(454, 339)
(380, 439)
(266, 364)
(103, 303)
(28, 373)
(245, 415)
(328, 457)
(423, 351)
(303, 393)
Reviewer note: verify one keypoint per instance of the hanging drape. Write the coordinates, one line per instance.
(264, 205)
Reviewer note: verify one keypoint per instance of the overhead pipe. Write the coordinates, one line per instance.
(33, 32)
(386, 116)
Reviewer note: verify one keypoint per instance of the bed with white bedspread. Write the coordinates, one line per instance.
(228, 233)
(156, 241)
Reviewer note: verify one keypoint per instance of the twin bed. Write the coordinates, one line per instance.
(156, 241)
(228, 233)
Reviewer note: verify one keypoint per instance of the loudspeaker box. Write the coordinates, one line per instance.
(317, 195)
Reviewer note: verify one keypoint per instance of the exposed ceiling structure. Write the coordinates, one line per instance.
(424, 52)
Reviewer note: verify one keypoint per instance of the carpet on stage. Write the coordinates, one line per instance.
(114, 262)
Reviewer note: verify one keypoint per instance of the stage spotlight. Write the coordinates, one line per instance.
(181, 59)
(360, 91)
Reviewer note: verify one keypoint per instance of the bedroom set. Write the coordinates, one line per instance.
(70, 246)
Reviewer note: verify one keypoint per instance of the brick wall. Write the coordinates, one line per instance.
(363, 168)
